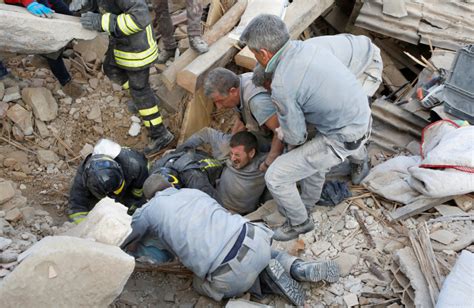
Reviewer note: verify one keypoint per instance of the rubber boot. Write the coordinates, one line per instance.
(315, 271)
(198, 44)
(276, 280)
(359, 171)
(165, 55)
(160, 138)
(73, 89)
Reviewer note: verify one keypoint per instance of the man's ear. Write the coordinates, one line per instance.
(233, 91)
(266, 55)
(252, 153)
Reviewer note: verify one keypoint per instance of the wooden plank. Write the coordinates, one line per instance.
(197, 115)
(391, 76)
(223, 26)
(192, 77)
(246, 59)
(417, 207)
(215, 12)
(299, 15)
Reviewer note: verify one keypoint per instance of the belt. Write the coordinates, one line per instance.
(238, 250)
(354, 144)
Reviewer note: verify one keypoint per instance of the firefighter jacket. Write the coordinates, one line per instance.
(135, 170)
(192, 169)
(132, 41)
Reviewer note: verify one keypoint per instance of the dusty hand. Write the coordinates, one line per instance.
(91, 21)
(77, 5)
(263, 167)
(279, 132)
(40, 10)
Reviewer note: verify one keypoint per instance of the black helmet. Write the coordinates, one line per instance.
(103, 176)
(171, 176)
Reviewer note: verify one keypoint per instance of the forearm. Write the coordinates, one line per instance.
(276, 149)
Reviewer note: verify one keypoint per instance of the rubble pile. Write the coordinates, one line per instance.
(21, 225)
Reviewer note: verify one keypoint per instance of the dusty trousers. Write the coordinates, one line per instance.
(166, 28)
(136, 81)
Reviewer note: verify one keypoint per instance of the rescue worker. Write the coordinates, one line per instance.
(309, 85)
(191, 169)
(132, 50)
(46, 9)
(257, 113)
(241, 186)
(227, 254)
(166, 28)
(110, 171)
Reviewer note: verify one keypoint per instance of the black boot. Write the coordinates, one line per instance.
(165, 55)
(274, 279)
(315, 271)
(160, 138)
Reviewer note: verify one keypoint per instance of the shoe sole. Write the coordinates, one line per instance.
(328, 271)
(292, 290)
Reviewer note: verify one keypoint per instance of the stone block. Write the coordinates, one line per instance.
(346, 262)
(42, 102)
(7, 192)
(443, 236)
(64, 271)
(13, 215)
(47, 157)
(22, 37)
(107, 223)
(11, 94)
(22, 118)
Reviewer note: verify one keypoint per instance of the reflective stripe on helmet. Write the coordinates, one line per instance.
(119, 190)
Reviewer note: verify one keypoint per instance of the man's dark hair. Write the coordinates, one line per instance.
(247, 139)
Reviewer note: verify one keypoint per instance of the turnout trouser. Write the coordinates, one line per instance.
(307, 164)
(143, 96)
(166, 28)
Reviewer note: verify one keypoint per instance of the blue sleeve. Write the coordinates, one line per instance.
(262, 107)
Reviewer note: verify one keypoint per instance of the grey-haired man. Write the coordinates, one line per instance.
(309, 85)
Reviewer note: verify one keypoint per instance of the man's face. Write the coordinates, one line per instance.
(263, 56)
(239, 157)
(226, 101)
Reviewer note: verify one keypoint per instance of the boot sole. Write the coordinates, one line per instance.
(156, 150)
(292, 236)
(291, 289)
(328, 271)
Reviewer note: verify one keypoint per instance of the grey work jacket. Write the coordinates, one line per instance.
(311, 85)
(189, 224)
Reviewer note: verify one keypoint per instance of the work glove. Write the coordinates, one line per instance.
(40, 10)
(91, 21)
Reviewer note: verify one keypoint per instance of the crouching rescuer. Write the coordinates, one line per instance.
(132, 49)
(110, 171)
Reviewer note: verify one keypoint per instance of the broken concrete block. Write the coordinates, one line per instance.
(64, 271)
(13, 215)
(351, 300)
(448, 210)
(94, 83)
(7, 192)
(320, 247)
(42, 129)
(86, 150)
(8, 256)
(443, 236)
(22, 118)
(11, 94)
(95, 114)
(96, 47)
(346, 262)
(409, 280)
(107, 223)
(47, 157)
(43, 103)
(3, 109)
(19, 31)
(134, 129)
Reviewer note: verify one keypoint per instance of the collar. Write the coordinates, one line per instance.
(167, 192)
(273, 63)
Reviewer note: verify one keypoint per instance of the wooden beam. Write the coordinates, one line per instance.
(220, 28)
(417, 207)
(215, 12)
(192, 76)
(197, 115)
(299, 15)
